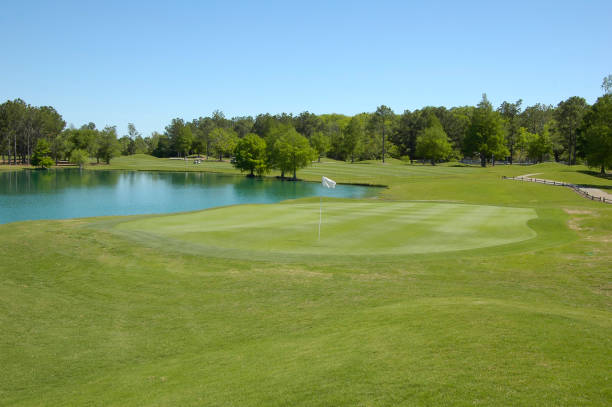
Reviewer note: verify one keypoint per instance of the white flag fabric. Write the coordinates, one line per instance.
(328, 183)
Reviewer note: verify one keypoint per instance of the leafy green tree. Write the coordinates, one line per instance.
(61, 147)
(539, 145)
(263, 125)
(132, 143)
(292, 151)
(124, 145)
(250, 154)
(522, 143)
(308, 124)
(163, 145)
(44, 122)
(201, 129)
(606, 85)
(510, 112)
(320, 142)
(411, 124)
(132, 132)
(22, 125)
(139, 145)
(183, 140)
(242, 125)
(558, 147)
(152, 142)
(79, 157)
(353, 137)
(485, 135)
(84, 138)
(384, 117)
(41, 156)
(274, 132)
(180, 137)
(535, 117)
(457, 124)
(433, 143)
(13, 119)
(405, 137)
(223, 141)
(568, 116)
(332, 125)
(108, 146)
(219, 120)
(596, 134)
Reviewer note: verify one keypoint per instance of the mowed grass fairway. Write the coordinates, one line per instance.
(453, 287)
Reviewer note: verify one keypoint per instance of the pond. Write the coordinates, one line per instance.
(71, 193)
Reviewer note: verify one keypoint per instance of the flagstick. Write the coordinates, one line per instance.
(320, 206)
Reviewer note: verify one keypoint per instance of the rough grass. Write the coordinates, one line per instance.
(94, 315)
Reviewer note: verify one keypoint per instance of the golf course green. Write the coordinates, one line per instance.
(453, 287)
(353, 228)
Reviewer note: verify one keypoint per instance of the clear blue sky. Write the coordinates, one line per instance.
(147, 62)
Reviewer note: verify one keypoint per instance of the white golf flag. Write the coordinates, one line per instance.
(328, 183)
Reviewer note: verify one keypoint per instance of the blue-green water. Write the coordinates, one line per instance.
(70, 193)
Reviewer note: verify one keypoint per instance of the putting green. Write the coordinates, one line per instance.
(348, 228)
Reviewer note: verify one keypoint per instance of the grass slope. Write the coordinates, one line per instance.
(128, 311)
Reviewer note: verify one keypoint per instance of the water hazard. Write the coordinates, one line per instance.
(71, 193)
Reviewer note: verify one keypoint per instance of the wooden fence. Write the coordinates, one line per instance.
(576, 188)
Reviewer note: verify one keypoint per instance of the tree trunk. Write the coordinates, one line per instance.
(383, 146)
(483, 160)
(294, 174)
(603, 169)
(572, 152)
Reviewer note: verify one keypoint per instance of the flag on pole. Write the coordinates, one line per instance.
(328, 183)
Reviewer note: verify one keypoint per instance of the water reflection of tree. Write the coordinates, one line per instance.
(54, 181)
(57, 180)
(271, 190)
(197, 178)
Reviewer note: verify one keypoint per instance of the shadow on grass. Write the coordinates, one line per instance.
(596, 174)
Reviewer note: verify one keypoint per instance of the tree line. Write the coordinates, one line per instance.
(570, 132)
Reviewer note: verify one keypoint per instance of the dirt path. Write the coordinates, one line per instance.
(595, 192)
(529, 175)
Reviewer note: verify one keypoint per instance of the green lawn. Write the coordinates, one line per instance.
(357, 228)
(453, 287)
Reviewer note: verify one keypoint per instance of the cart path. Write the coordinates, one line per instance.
(596, 192)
